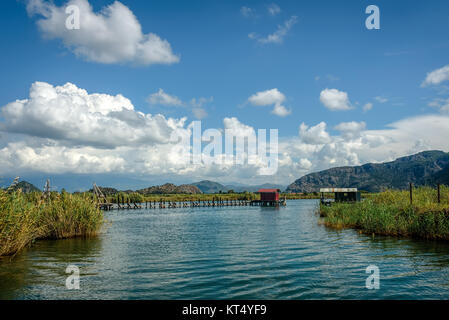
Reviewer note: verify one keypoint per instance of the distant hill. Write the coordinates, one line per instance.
(207, 186)
(242, 188)
(107, 191)
(424, 168)
(26, 187)
(170, 188)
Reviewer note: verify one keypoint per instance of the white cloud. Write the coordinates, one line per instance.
(268, 98)
(328, 77)
(367, 107)
(381, 99)
(314, 135)
(277, 36)
(162, 98)
(441, 104)
(436, 76)
(246, 11)
(235, 127)
(199, 113)
(280, 110)
(351, 129)
(274, 9)
(71, 114)
(113, 35)
(305, 164)
(335, 100)
(198, 103)
(67, 130)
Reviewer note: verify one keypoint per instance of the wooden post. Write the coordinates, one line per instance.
(411, 193)
(439, 195)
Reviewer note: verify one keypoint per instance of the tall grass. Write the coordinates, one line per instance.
(25, 218)
(390, 213)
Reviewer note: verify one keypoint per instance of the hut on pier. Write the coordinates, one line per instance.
(268, 198)
(341, 195)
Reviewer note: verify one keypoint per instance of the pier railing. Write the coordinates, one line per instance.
(164, 204)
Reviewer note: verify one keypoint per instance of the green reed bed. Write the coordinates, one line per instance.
(25, 218)
(390, 213)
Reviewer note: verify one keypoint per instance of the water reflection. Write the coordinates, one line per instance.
(227, 253)
(44, 263)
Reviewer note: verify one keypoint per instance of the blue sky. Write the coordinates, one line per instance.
(221, 61)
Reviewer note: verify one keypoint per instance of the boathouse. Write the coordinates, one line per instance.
(341, 194)
(268, 198)
(269, 194)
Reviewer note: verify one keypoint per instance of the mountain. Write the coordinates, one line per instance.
(250, 188)
(207, 186)
(170, 188)
(424, 168)
(26, 187)
(107, 191)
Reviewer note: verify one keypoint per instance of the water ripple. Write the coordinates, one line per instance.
(227, 253)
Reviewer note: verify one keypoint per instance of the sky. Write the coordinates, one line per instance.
(102, 101)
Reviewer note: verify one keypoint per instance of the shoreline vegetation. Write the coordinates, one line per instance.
(390, 213)
(25, 218)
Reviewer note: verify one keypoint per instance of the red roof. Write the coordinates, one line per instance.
(268, 190)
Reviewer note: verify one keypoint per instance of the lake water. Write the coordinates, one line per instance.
(227, 253)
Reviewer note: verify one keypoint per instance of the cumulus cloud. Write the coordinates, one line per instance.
(113, 35)
(71, 114)
(280, 110)
(237, 128)
(305, 164)
(335, 100)
(351, 129)
(436, 76)
(268, 98)
(314, 135)
(195, 105)
(199, 112)
(162, 98)
(67, 130)
(277, 36)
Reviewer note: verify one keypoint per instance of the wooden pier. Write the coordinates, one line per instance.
(163, 204)
(120, 203)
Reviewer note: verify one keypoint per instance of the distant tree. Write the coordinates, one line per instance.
(230, 191)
